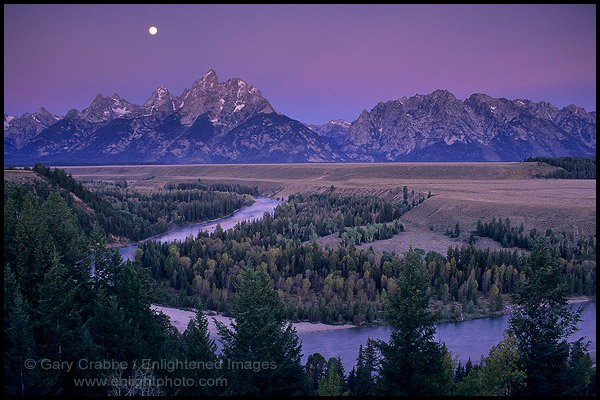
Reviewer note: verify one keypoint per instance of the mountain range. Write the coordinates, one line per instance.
(231, 122)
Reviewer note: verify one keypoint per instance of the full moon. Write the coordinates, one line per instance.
(152, 30)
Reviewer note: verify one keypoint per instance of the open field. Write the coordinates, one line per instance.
(288, 177)
(462, 192)
(19, 175)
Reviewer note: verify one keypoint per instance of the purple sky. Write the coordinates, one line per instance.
(313, 62)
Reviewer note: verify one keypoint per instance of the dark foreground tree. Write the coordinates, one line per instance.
(200, 348)
(261, 352)
(542, 322)
(367, 364)
(316, 369)
(413, 363)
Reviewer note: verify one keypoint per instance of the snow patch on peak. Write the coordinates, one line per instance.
(121, 111)
(161, 92)
(7, 120)
(452, 139)
(339, 122)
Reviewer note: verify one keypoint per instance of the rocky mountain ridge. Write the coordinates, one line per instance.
(231, 122)
(440, 127)
(211, 122)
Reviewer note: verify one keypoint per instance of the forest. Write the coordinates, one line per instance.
(78, 319)
(344, 284)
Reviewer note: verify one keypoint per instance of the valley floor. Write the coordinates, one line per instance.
(461, 192)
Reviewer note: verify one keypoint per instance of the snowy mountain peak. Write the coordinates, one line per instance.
(226, 103)
(107, 108)
(161, 103)
(158, 96)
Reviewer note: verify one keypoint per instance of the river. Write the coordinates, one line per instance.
(468, 339)
(255, 211)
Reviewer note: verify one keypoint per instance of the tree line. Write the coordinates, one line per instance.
(571, 167)
(214, 187)
(563, 245)
(308, 217)
(133, 214)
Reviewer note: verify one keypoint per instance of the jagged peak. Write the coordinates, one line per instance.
(211, 72)
(72, 113)
(42, 111)
(159, 94)
(480, 97)
(44, 115)
(574, 109)
(99, 97)
(239, 82)
(443, 94)
(99, 101)
(439, 92)
(206, 81)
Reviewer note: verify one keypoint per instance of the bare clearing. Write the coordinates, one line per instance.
(415, 237)
(181, 318)
(462, 192)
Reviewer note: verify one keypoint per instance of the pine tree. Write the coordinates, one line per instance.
(412, 362)
(200, 348)
(31, 249)
(316, 369)
(66, 236)
(19, 343)
(580, 373)
(261, 352)
(59, 324)
(366, 369)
